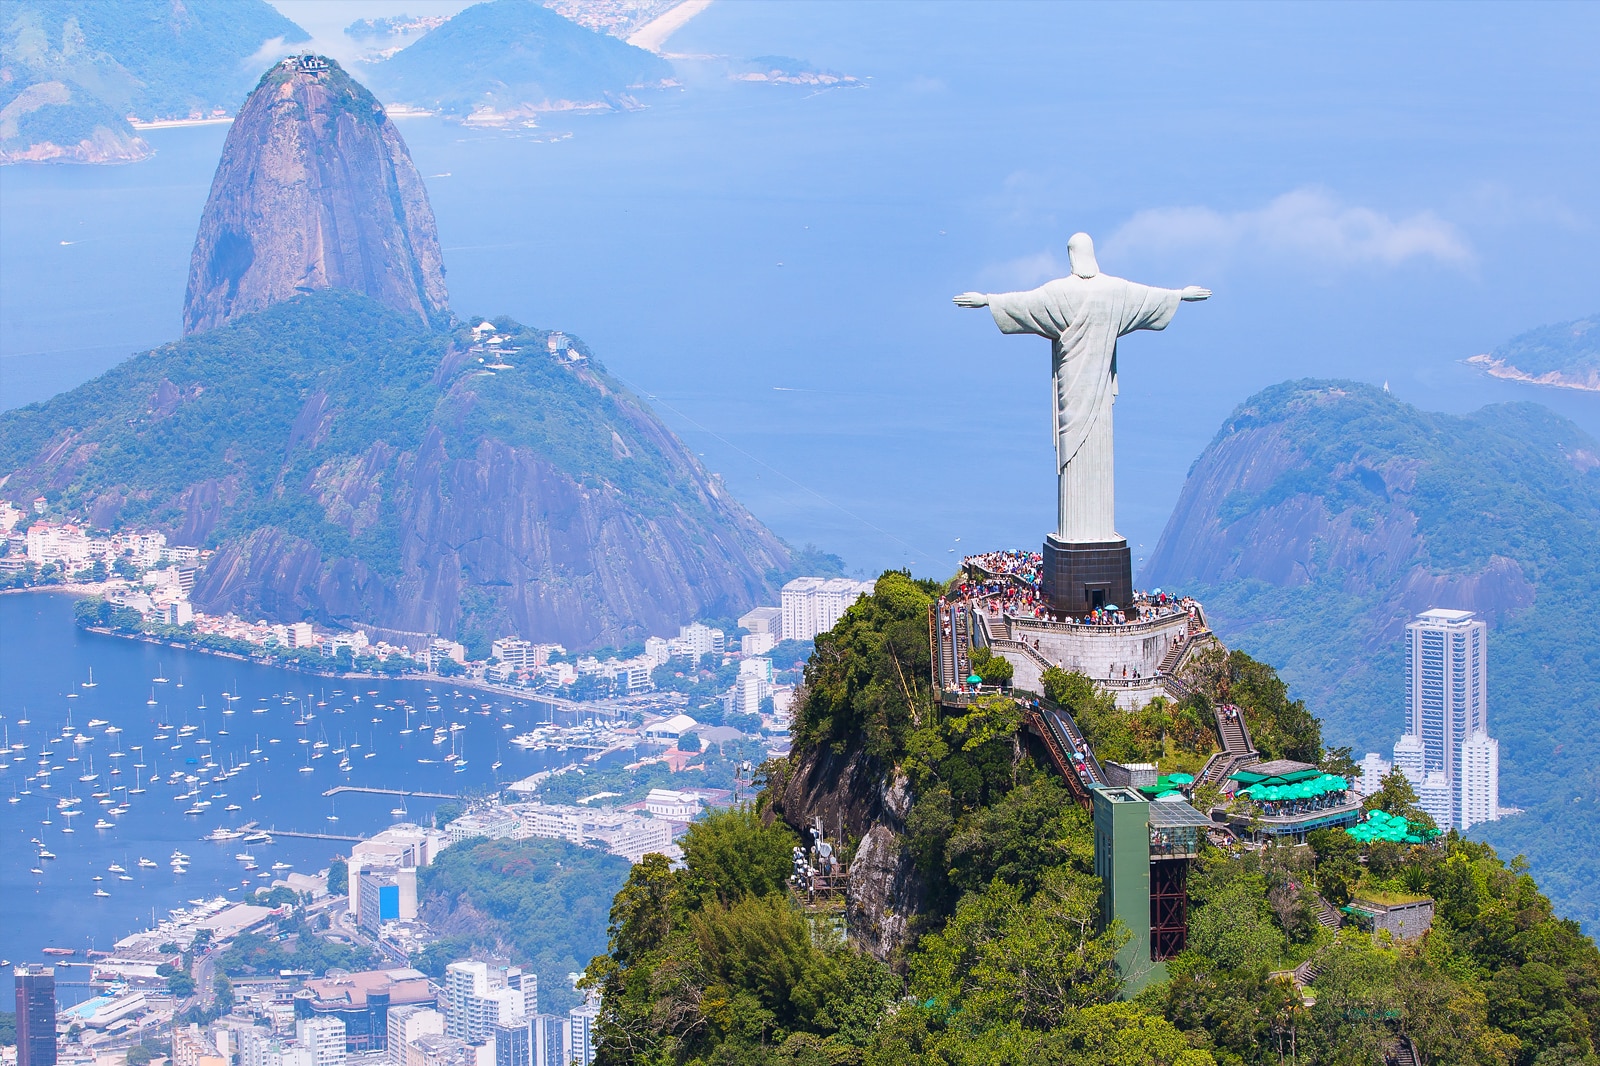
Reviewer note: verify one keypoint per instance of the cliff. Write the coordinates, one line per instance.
(510, 59)
(1325, 514)
(72, 74)
(315, 190)
(350, 466)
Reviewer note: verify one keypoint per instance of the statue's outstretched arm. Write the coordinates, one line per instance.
(975, 299)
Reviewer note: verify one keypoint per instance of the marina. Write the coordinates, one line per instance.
(230, 759)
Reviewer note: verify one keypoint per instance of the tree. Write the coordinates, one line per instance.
(1005, 958)
(733, 854)
(338, 877)
(223, 990)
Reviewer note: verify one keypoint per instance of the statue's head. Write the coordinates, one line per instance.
(1080, 251)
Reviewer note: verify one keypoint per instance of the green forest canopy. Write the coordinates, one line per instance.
(714, 963)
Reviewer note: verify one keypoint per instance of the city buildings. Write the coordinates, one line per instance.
(480, 996)
(36, 1015)
(1374, 768)
(1480, 780)
(408, 1024)
(812, 605)
(364, 1002)
(191, 1047)
(323, 1036)
(581, 1025)
(1409, 758)
(1446, 701)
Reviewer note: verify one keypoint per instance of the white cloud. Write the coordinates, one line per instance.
(1310, 225)
(271, 50)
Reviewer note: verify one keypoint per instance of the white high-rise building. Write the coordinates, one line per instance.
(1374, 768)
(580, 1026)
(1409, 759)
(1447, 682)
(1480, 780)
(406, 1024)
(1434, 796)
(813, 605)
(483, 996)
(323, 1036)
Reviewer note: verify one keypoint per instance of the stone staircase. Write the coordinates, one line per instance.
(1238, 750)
(1328, 915)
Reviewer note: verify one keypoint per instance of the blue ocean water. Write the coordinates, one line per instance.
(1374, 193)
(47, 665)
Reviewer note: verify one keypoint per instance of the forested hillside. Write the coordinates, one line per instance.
(74, 72)
(351, 465)
(1324, 515)
(1002, 959)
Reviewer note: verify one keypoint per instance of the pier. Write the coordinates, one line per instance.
(314, 836)
(389, 792)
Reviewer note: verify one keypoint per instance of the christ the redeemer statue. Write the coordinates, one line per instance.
(1083, 315)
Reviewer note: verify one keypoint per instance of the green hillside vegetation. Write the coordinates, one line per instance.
(539, 903)
(715, 962)
(1513, 481)
(1571, 349)
(87, 65)
(222, 407)
(513, 56)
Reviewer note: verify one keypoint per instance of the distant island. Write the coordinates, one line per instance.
(507, 61)
(81, 78)
(1565, 355)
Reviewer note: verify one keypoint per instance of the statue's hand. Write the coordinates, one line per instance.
(1192, 293)
(972, 299)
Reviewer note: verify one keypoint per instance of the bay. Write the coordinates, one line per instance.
(47, 665)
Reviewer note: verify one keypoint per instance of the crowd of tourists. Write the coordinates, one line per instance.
(1023, 565)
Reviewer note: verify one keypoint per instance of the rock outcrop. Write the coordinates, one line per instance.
(859, 800)
(350, 466)
(315, 190)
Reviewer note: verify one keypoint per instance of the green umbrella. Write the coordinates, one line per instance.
(1181, 779)
(1170, 794)
(974, 680)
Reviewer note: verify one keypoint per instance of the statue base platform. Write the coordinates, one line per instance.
(1077, 578)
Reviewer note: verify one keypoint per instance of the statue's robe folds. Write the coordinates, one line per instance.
(1083, 317)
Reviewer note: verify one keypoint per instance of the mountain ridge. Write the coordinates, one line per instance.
(383, 476)
(1323, 515)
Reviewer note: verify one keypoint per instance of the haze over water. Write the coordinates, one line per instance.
(1369, 192)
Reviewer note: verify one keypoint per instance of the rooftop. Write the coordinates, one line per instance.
(404, 985)
(1173, 814)
(1440, 614)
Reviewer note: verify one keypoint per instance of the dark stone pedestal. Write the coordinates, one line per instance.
(1080, 577)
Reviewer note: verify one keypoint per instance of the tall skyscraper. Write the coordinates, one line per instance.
(36, 1015)
(1480, 780)
(1447, 681)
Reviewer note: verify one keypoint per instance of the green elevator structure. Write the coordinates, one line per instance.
(1142, 852)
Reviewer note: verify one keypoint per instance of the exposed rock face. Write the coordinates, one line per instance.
(351, 467)
(315, 190)
(860, 799)
(1264, 503)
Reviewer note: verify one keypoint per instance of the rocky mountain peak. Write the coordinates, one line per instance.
(315, 190)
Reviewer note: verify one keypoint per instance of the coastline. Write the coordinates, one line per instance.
(1498, 368)
(556, 702)
(653, 35)
(177, 123)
